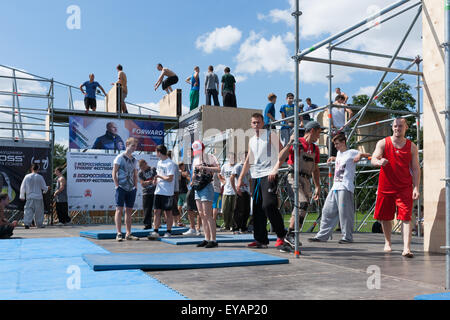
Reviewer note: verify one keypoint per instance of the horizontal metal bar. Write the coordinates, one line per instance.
(22, 108)
(21, 78)
(22, 94)
(367, 53)
(380, 110)
(37, 130)
(300, 114)
(383, 121)
(360, 66)
(22, 123)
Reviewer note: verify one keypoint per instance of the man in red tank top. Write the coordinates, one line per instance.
(398, 183)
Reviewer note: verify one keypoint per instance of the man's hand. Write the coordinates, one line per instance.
(240, 184)
(272, 176)
(383, 162)
(331, 159)
(416, 193)
(357, 158)
(316, 193)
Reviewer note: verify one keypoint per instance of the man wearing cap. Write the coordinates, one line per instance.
(309, 158)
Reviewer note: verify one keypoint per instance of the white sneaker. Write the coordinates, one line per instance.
(166, 235)
(153, 236)
(198, 233)
(190, 232)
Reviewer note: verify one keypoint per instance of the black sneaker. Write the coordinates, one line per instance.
(343, 241)
(202, 244)
(314, 240)
(27, 227)
(147, 227)
(290, 239)
(286, 248)
(212, 244)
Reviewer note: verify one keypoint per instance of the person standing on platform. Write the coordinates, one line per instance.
(338, 112)
(242, 210)
(147, 176)
(229, 89)
(269, 112)
(125, 179)
(309, 106)
(339, 205)
(171, 79)
(212, 87)
(6, 228)
(165, 187)
(31, 189)
(229, 192)
(60, 195)
(398, 184)
(309, 158)
(122, 81)
(262, 157)
(205, 165)
(340, 93)
(287, 110)
(194, 81)
(90, 94)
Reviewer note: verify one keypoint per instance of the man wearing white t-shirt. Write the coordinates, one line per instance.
(229, 192)
(165, 186)
(339, 204)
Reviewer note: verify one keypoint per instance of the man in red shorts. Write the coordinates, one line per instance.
(398, 183)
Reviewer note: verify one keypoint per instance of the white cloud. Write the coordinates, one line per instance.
(260, 54)
(277, 15)
(219, 39)
(365, 90)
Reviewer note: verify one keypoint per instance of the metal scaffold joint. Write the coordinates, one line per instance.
(296, 13)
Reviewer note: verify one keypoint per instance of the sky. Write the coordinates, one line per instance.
(255, 38)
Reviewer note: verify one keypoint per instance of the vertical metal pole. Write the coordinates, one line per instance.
(418, 144)
(447, 140)
(51, 110)
(330, 96)
(13, 131)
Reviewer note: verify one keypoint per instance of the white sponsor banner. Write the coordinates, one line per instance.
(89, 181)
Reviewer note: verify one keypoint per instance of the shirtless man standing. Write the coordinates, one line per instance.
(398, 184)
(171, 79)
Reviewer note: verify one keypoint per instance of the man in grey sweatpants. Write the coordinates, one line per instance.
(31, 188)
(339, 204)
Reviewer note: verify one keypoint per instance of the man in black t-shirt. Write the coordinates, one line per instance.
(146, 177)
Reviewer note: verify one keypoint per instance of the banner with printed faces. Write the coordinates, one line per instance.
(15, 163)
(90, 185)
(111, 134)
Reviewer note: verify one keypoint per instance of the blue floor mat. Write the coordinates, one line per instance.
(220, 239)
(180, 260)
(40, 269)
(434, 296)
(111, 234)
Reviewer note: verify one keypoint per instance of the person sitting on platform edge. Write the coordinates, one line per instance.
(171, 79)
(91, 88)
(110, 140)
(6, 228)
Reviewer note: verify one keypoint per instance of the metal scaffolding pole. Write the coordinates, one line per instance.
(447, 141)
(330, 103)
(418, 145)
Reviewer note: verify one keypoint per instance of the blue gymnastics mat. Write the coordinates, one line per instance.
(434, 296)
(111, 234)
(53, 269)
(180, 260)
(220, 239)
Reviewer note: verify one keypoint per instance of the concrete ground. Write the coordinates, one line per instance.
(324, 270)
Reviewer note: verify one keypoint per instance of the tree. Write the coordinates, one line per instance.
(60, 156)
(361, 100)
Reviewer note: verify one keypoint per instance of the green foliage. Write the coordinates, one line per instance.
(361, 100)
(59, 158)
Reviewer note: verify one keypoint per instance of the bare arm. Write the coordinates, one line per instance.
(62, 186)
(103, 90)
(81, 88)
(377, 157)
(188, 80)
(316, 179)
(245, 169)
(114, 175)
(415, 168)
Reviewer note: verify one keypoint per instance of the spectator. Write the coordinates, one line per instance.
(125, 179)
(31, 189)
(229, 89)
(194, 81)
(340, 93)
(229, 191)
(287, 110)
(171, 79)
(269, 112)
(204, 167)
(165, 187)
(176, 191)
(309, 106)
(338, 112)
(242, 210)
(191, 206)
(60, 195)
(212, 87)
(147, 176)
(90, 94)
(6, 228)
(122, 81)
(218, 191)
(184, 181)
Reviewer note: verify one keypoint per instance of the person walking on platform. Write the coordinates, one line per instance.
(147, 176)
(125, 179)
(242, 208)
(205, 165)
(339, 205)
(194, 81)
(6, 228)
(229, 89)
(398, 184)
(212, 87)
(262, 156)
(229, 192)
(171, 79)
(90, 94)
(122, 81)
(31, 189)
(309, 158)
(60, 195)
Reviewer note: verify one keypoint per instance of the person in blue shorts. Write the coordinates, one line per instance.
(90, 94)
